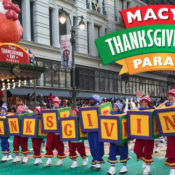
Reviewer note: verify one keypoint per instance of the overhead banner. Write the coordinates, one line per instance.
(66, 51)
(145, 46)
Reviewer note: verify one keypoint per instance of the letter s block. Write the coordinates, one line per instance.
(112, 128)
(142, 125)
(49, 121)
(29, 126)
(166, 121)
(89, 119)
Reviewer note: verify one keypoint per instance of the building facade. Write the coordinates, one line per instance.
(42, 31)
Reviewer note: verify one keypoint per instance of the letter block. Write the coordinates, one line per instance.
(142, 125)
(39, 133)
(89, 119)
(64, 112)
(3, 127)
(14, 124)
(113, 128)
(166, 121)
(70, 129)
(28, 126)
(49, 121)
(105, 108)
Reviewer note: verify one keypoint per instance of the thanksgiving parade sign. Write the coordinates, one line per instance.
(147, 43)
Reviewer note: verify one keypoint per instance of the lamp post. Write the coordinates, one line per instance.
(63, 18)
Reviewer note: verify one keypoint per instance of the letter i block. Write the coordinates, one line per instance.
(68, 129)
(28, 126)
(3, 127)
(105, 108)
(39, 133)
(113, 128)
(13, 125)
(89, 119)
(49, 121)
(142, 125)
(64, 112)
(166, 121)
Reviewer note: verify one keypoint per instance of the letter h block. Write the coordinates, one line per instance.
(3, 127)
(89, 119)
(113, 128)
(166, 121)
(142, 125)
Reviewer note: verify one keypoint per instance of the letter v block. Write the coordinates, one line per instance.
(3, 127)
(89, 119)
(142, 125)
(28, 126)
(113, 128)
(49, 121)
(166, 121)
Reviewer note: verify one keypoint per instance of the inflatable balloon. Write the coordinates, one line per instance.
(10, 27)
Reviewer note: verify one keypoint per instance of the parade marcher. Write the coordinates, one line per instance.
(144, 148)
(170, 152)
(4, 140)
(20, 141)
(121, 150)
(54, 142)
(96, 147)
(37, 142)
(77, 146)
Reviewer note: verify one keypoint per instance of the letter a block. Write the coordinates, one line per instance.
(89, 119)
(142, 125)
(166, 121)
(49, 121)
(28, 126)
(64, 112)
(13, 125)
(105, 108)
(3, 127)
(113, 128)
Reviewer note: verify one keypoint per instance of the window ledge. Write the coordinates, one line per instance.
(71, 2)
(97, 14)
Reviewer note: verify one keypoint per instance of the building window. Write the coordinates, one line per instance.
(62, 78)
(55, 73)
(62, 27)
(48, 75)
(88, 49)
(31, 20)
(87, 4)
(96, 35)
(50, 26)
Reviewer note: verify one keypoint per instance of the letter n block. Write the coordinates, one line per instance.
(105, 108)
(68, 129)
(49, 121)
(166, 121)
(89, 119)
(64, 112)
(3, 127)
(28, 126)
(13, 125)
(113, 128)
(142, 125)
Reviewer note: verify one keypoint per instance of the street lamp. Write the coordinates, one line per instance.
(82, 25)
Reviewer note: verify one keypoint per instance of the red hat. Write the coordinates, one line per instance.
(146, 98)
(171, 92)
(76, 110)
(56, 100)
(38, 109)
